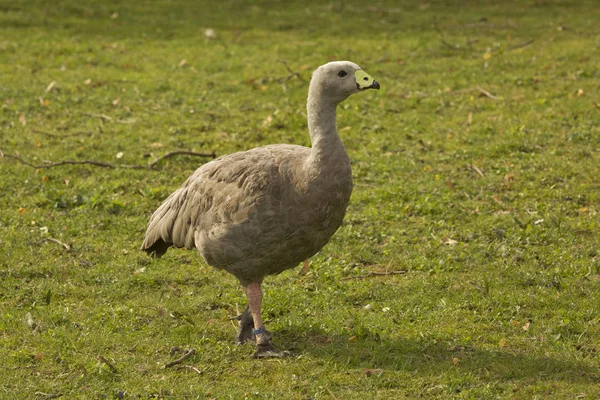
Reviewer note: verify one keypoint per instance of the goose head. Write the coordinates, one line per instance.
(339, 79)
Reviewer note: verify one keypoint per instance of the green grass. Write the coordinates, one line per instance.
(490, 205)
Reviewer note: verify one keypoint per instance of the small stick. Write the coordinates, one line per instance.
(49, 395)
(69, 162)
(66, 246)
(521, 45)
(182, 152)
(184, 357)
(112, 368)
(61, 136)
(372, 274)
(486, 93)
(105, 164)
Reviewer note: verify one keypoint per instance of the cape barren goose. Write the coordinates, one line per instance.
(262, 211)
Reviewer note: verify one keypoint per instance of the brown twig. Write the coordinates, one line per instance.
(372, 274)
(49, 395)
(181, 359)
(66, 246)
(104, 164)
(112, 368)
(521, 45)
(61, 136)
(182, 152)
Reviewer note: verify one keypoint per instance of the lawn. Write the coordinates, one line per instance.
(468, 265)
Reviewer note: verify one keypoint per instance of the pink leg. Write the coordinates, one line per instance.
(264, 348)
(254, 294)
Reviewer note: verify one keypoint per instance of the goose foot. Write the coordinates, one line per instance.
(267, 350)
(245, 332)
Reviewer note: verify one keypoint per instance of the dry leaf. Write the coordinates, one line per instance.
(502, 343)
(88, 81)
(526, 326)
(156, 145)
(22, 119)
(45, 178)
(455, 360)
(21, 210)
(182, 63)
(352, 339)
(50, 86)
(470, 118)
(580, 93)
(116, 102)
(37, 144)
(39, 356)
(487, 56)
(595, 105)
(114, 16)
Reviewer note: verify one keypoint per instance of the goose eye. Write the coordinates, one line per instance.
(342, 74)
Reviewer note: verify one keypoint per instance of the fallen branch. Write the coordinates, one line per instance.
(184, 357)
(61, 136)
(49, 395)
(182, 152)
(373, 274)
(66, 246)
(104, 164)
(521, 45)
(112, 368)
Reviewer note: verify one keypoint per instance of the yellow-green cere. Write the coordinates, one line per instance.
(363, 80)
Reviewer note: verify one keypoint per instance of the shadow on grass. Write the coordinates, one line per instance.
(433, 357)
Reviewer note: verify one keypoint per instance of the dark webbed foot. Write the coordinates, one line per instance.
(267, 350)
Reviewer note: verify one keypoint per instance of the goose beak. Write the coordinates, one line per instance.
(374, 85)
(365, 81)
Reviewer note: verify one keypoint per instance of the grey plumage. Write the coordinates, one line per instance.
(265, 210)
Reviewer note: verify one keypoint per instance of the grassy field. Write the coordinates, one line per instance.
(476, 180)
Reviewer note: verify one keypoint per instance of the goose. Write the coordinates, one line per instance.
(262, 211)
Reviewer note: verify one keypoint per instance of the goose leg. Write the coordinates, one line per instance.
(264, 348)
(246, 326)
